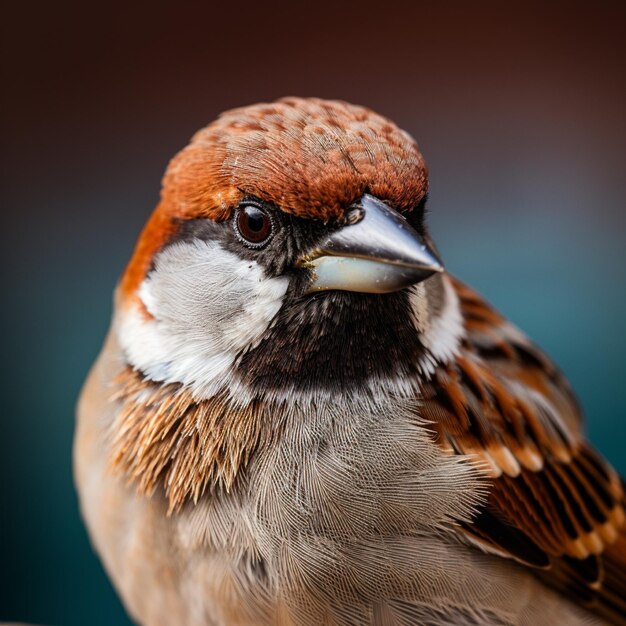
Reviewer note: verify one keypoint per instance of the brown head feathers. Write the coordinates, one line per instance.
(309, 157)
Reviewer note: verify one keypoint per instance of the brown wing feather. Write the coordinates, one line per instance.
(554, 503)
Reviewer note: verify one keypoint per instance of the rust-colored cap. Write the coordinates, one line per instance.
(310, 157)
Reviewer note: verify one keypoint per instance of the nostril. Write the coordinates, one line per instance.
(353, 216)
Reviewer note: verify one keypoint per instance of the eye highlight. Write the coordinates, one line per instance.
(253, 225)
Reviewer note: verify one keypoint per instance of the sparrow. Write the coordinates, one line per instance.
(300, 418)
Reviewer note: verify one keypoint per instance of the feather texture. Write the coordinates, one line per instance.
(554, 503)
(352, 451)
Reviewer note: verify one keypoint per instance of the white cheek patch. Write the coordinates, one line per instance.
(208, 305)
(440, 335)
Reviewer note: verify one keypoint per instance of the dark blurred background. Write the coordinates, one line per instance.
(520, 110)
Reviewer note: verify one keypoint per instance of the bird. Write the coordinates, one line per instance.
(300, 417)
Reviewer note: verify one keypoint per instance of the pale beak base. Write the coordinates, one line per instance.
(378, 251)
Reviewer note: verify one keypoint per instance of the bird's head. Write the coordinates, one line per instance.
(288, 251)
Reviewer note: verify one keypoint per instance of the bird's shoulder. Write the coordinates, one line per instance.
(554, 504)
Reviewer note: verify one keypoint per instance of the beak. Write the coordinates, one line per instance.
(377, 251)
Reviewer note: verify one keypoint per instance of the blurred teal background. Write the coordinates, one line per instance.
(520, 112)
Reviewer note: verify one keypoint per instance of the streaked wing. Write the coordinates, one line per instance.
(554, 503)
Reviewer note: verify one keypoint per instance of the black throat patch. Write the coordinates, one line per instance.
(334, 341)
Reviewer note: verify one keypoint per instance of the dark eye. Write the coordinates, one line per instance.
(253, 225)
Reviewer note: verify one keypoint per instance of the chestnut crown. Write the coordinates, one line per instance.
(309, 157)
